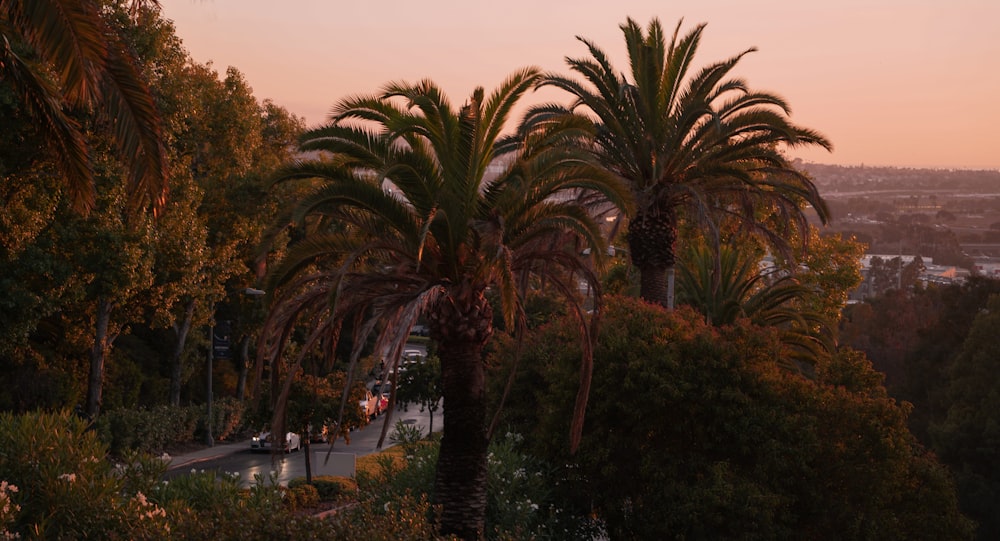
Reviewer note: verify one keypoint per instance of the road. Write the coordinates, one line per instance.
(248, 464)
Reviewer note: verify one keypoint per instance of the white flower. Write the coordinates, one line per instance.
(68, 477)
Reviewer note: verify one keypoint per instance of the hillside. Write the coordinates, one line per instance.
(952, 216)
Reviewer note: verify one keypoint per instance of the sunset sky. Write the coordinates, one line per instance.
(909, 83)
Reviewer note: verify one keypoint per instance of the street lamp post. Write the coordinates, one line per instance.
(209, 440)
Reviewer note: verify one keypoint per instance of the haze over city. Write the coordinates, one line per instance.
(907, 83)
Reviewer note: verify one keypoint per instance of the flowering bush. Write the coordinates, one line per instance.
(66, 488)
(8, 510)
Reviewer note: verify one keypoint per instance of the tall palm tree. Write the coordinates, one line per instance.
(423, 210)
(702, 143)
(60, 57)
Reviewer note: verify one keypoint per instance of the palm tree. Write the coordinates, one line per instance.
(702, 143)
(422, 211)
(727, 283)
(60, 58)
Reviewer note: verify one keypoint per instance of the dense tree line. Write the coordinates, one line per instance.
(111, 295)
(936, 348)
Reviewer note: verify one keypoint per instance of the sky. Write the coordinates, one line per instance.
(904, 83)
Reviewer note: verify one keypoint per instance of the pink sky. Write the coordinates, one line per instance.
(909, 83)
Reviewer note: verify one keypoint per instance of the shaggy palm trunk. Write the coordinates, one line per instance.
(462, 325)
(651, 236)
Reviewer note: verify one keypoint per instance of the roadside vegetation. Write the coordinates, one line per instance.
(221, 258)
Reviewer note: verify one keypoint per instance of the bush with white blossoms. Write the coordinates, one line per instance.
(522, 502)
(74, 490)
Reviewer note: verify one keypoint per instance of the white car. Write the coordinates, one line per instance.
(264, 442)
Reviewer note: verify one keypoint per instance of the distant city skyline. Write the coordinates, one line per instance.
(889, 82)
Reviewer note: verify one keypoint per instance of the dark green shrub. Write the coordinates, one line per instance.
(695, 432)
(67, 489)
(152, 430)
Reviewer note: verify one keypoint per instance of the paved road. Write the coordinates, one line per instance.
(239, 459)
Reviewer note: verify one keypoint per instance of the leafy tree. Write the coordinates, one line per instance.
(967, 437)
(420, 384)
(314, 406)
(221, 142)
(715, 442)
(703, 143)
(422, 208)
(62, 56)
(194, 255)
(832, 269)
(909, 275)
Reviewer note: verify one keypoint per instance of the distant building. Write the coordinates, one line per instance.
(988, 268)
(932, 274)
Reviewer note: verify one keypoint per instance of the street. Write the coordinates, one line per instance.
(248, 464)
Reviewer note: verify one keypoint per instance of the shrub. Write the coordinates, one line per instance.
(302, 496)
(147, 430)
(67, 489)
(328, 487)
(408, 518)
(154, 429)
(406, 435)
(694, 432)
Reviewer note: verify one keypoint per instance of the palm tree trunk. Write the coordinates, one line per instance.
(656, 285)
(651, 237)
(460, 483)
(462, 325)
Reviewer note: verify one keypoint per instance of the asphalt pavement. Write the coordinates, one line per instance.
(362, 442)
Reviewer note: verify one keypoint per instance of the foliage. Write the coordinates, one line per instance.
(66, 487)
(967, 437)
(406, 435)
(737, 449)
(418, 210)
(696, 145)
(301, 497)
(934, 346)
(62, 273)
(328, 488)
(153, 430)
(420, 384)
(61, 57)
(525, 499)
(728, 283)
(408, 518)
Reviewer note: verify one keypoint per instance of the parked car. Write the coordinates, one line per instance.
(420, 330)
(264, 442)
(383, 387)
